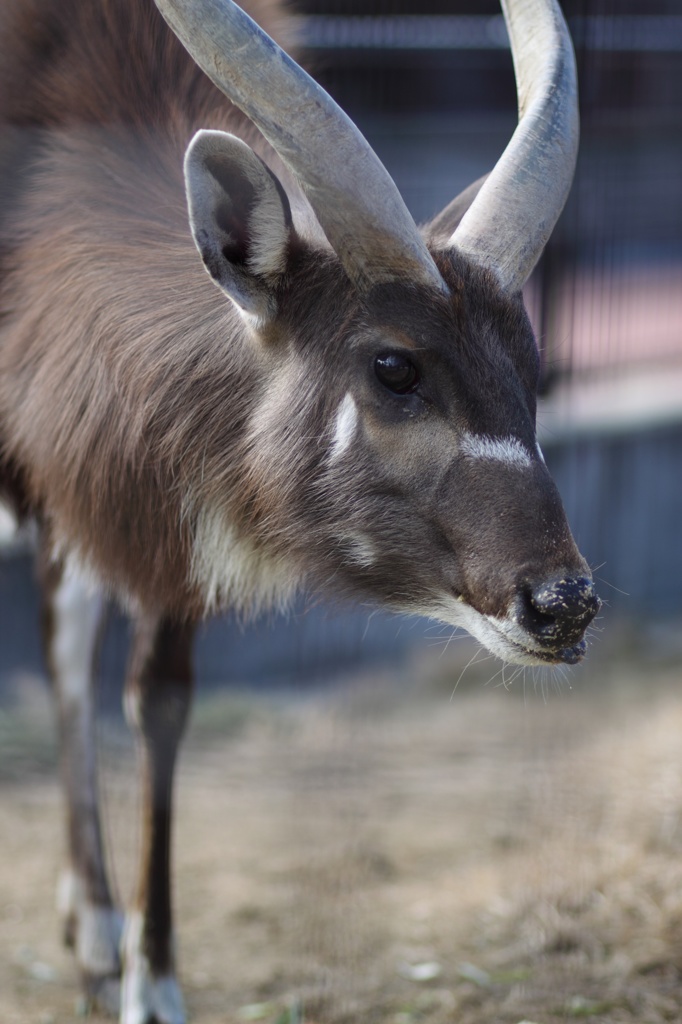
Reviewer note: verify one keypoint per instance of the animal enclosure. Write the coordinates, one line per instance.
(434, 842)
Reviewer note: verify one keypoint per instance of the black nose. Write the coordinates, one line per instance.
(558, 611)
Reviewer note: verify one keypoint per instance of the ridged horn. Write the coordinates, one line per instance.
(352, 194)
(509, 222)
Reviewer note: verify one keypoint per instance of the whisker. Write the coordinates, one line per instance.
(613, 586)
(508, 683)
(455, 635)
(500, 670)
(470, 662)
(520, 671)
(367, 625)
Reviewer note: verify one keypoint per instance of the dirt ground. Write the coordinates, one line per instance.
(388, 852)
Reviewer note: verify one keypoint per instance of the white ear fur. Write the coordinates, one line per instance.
(240, 220)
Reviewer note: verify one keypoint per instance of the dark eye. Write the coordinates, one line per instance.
(396, 372)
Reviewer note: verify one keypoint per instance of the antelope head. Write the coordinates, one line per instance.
(393, 429)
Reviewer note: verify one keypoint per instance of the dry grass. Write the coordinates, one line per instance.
(387, 854)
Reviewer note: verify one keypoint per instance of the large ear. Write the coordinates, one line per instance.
(441, 228)
(240, 219)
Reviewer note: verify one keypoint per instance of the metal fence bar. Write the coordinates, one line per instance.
(626, 33)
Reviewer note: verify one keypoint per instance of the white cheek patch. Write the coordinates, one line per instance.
(345, 425)
(361, 549)
(508, 450)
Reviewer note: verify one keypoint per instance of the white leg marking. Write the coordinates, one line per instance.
(345, 425)
(98, 940)
(77, 611)
(144, 996)
(69, 893)
(97, 933)
(97, 929)
(506, 449)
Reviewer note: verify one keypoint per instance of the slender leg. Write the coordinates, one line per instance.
(157, 701)
(72, 616)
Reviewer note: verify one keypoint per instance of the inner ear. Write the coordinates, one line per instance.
(240, 219)
(233, 212)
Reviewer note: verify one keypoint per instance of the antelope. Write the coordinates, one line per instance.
(293, 387)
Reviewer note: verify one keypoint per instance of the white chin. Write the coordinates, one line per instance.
(503, 637)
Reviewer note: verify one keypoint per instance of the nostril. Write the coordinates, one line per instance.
(559, 610)
(536, 615)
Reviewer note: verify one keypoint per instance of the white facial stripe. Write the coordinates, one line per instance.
(506, 449)
(346, 423)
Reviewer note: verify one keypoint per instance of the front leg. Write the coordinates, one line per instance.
(157, 701)
(71, 620)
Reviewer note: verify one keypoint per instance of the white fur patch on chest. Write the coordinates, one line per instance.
(233, 572)
(345, 425)
(505, 449)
